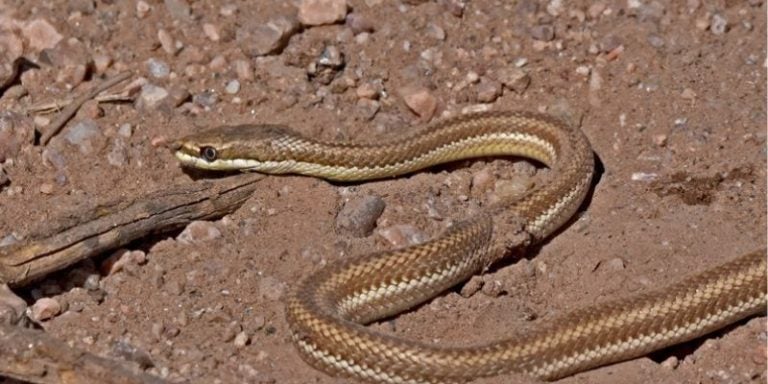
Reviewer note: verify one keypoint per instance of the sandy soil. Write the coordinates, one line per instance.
(672, 98)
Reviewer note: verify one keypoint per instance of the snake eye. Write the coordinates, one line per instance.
(208, 153)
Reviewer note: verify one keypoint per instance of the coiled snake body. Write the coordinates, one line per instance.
(328, 311)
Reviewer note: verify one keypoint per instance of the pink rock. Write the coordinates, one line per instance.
(420, 100)
(319, 12)
(41, 34)
(44, 309)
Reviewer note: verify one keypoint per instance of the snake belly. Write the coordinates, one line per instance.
(328, 312)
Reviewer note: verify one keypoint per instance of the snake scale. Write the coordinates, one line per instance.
(328, 312)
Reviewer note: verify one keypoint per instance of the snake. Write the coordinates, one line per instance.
(329, 312)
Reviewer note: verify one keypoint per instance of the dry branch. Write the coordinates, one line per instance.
(72, 238)
(36, 357)
(72, 108)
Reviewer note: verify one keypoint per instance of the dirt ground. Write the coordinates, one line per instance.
(672, 98)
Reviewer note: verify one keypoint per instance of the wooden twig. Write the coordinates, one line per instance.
(36, 357)
(58, 105)
(75, 105)
(92, 231)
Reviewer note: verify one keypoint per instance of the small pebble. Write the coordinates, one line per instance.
(206, 99)
(179, 9)
(434, 31)
(596, 9)
(319, 12)
(167, 42)
(151, 96)
(511, 189)
(44, 309)
(126, 351)
(177, 96)
(488, 90)
(232, 330)
(359, 24)
(142, 8)
(331, 57)
(244, 70)
(233, 86)
(368, 108)
(493, 288)
(472, 286)
(514, 78)
(40, 35)
(655, 40)
(420, 100)
(228, 10)
(543, 32)
(118, 155)
(719, 24)
(46, 188)
(157, 330)
(52, 157)
(358, 216)
(643, 176)
(91, 282)
(702, 23)
(266, 39)
(671, 363)
(271, 288)
(482, 181)
(211, 31)
(369, 90)
(688, 94)
(120, 259)
(125, 130)
(199, 231)
(158, 68)
(402, 235)
(101, 62)
(241, 340)
(615, 264)
(83, 135)
(218, 64)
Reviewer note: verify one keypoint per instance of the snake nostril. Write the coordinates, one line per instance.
(208, 153)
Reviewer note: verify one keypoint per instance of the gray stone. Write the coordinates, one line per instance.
(158, 68)
(266, 39)
(151, 96)
(358, 216)
(179, 9)
(543, 32)
(83, 135)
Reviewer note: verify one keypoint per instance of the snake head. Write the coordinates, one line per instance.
(238, 147)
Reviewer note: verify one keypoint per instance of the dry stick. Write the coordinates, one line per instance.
(36, 357)
(87, 232)
(72, 108)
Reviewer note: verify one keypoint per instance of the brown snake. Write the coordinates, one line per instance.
(328, 312)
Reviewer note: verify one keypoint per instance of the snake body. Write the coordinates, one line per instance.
(329, 309)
